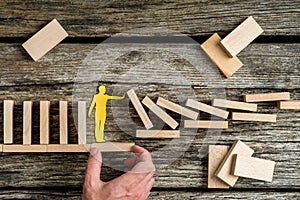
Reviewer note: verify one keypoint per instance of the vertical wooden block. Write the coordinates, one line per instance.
(205, 124)
(8, 130)
(27, 122)
(253, 117)
(1, 147)
(225, 168)
(278, 96)
(44, 122)
(44, 40)
(216, 153)
(157, 133)
(291, 105)
(63, 122)
(223, 103)
(241, 36)
(82, 122)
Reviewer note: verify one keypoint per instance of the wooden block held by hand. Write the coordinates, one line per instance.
(223, 103)
(44, 122)
(27, 122)
(8, 117)
(253, 117)
(68, 147)
(205, 124)
(63, 122)
(157, 133)
(81, 122)
(278, 96)
(291, 105)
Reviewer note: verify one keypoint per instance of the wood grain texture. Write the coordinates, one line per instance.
(157, 133)
(63, 122)
(260, 117)
(205, 124)
(223, 103)
(44, 122)
(289, 105)
(8, 121)
(81, 127)
(278, 96)
(27, 122)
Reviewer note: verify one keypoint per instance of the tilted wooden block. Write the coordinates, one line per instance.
(68, 147)
(224, 170)
(24, 148)
(81, 122)
(223, 103)
(113, 146)
(227, 65)
(278, 96)
(44, 122)
(27, 122)
(291, 105)
(159, 112)
(255, 168)
(157, 133)
(8, 117)
(139, 108)
(241, 36)
(216, 153)
(63, 122)
(205, 124)
(206, 108)
(253, 117)
(44, 40)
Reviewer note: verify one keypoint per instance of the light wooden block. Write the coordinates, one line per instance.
(205, 124)
(207, 108)
(1, 147)
(291, 105)
(157, 133)
(254, 168)
(241, 36)
(159, 112)
(223, 103)
(139, 108)
(228, 66)
(216, 153)
(27, 122)
(177, 108)
(253, 117)
(44, 122)
(224, 170)
(113, 146)
(24, 148)
(45, 39)
(81, 122)
(278, 96)
(8, 117)
(68, 147)
(63, 122)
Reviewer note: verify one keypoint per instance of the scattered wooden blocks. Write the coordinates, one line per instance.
(81, 122)
(253, 117)
(24, 148)
(205, 124)
(241, 36)
(44, 40)
(157, 133)
(44, 122)
(113, 146)
(291, 105)
(68, 148)
(8, 130)
(254, 168)
(63, 122)
(27, 122)
(223, 103)
(278, 96)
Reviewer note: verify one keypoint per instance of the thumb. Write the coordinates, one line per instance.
(94, 164)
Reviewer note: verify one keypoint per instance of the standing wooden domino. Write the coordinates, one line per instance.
(1, 147)
(205, 124)
(63, 122)
(27, 122)
(291, 105)
(278, 96)
(81, 122)
(253, 117)
(8, 130)
(157, 133)
(44, 122)
(223, 103)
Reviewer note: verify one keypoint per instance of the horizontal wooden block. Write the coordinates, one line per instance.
(223, 103)
(157, 133)
(205, 124)
(68, 147)
(253, 117)
(27, 122)
(8, 118)
(227, 65)
(24, 148)
(241, 36)
(177, 108)
(254, 168)
(113, 146)
(278, 96)
(291, 105)
(44, 40)
(206, 108)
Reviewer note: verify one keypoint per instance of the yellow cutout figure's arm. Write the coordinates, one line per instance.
(116, 97)
(91, 107)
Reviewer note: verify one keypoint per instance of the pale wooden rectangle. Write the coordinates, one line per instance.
(81, 122)
(278, 96)
(113, 146)
(224, 170)
(241, 36)
(216, 153)
(291, 105)
(68, 147)
(45, 39)
(259, 117)
(139, 108)
(227, 65)
(63, 122)
(207, 108)
(24, 148)
(160, 113)
(8, 118)
(44, 122)
(27, 122)
(157, 133)
(224, 103)
(205, 124)
(177, 108)
(254, 168)
(1, 147)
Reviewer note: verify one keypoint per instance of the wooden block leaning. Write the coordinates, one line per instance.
(68, 147)
(81, 122)
(223, 103)
(278, 96)
(63, 122)
(27, 122)
(253, 117)
(113, 146)
(291, 105)
(205, 124)
(157, 133)
(24, 148)
(8, 117)
(44, 122)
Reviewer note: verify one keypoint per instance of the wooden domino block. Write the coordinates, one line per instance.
(254, 168)
(241, 36)
(1, 147)
(24, 148)
(8, 115)
(291, 105)
(44, 122)
(206, 108)
(253, 117)
(224, 170)
(157, 133)
(223, 103)
(278, 96)
(177, 108)
(228, 66)
(27, 122)
(68, 148)
(205, 124)
(113, 146)
(81, 122)
(216, 153)
(159, 112)
(44, 40)
(63, 122)
(139, 108)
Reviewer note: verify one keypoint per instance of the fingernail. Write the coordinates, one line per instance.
(96, 153)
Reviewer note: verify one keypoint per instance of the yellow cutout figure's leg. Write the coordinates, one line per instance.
(97, 131)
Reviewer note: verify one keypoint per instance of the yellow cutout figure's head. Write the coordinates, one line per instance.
(102, 89)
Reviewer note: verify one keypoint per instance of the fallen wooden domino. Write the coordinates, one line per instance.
(44, 122)
(27, 122)
(259, 117)
(157, 133)
(113, 146)
(290, 105)
(63, 122)
(205, 124)
(81, 122)
(8, 130)
(254, 168)
(223, 103)
(278, 96)
(45, 39)
(241, 36)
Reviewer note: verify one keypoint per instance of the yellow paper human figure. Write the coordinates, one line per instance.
(100, 101)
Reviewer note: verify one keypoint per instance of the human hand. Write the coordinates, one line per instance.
(135, 184)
